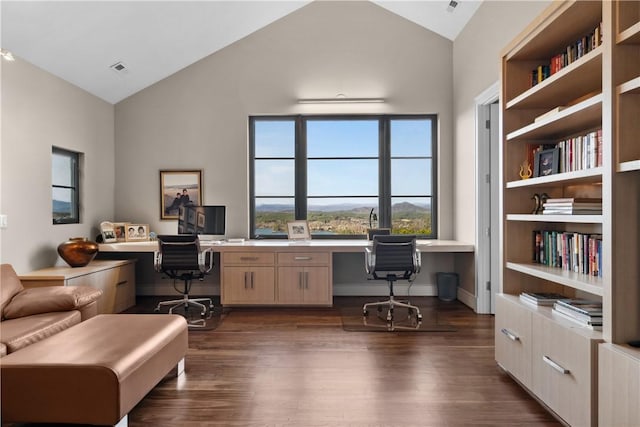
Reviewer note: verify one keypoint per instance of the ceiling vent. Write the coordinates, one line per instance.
(119, 67)
(452, 5)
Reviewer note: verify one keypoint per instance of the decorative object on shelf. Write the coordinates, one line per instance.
(539, 200)
(525, 170)
(298, 230)
(137, 232)
(547, 162)
(78, 251)
(108, 232)
(179, 188)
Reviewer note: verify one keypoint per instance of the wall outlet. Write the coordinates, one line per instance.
(3, 221)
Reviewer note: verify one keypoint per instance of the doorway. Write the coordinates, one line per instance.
(487, 199)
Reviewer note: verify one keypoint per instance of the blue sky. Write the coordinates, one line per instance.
(339, 176)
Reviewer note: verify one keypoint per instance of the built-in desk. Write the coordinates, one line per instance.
(281, 272)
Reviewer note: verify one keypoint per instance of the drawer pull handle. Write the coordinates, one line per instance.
(248, 258)
(510, 335)
(303, 258)
(124, 282)
(554, 365)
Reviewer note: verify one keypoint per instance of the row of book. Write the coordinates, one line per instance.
(577, 252)
(571, 53)
(577, 153)
(583, 311)
(581, 152)
(572, 206)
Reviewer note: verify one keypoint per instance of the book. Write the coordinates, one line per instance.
(588, 307)
(574, 200)
(541, 298)
(585, 318)
(571, 211)
(595, 327)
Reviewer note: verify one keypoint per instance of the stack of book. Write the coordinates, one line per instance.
(540, 298)
(585, 312)
(572, 206)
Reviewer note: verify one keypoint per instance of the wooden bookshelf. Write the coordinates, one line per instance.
(584, 89)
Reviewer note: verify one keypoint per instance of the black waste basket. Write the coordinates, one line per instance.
(447, 286)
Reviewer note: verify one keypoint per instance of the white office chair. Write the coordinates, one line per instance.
(181, 258)
(392, 258)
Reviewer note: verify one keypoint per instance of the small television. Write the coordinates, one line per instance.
(209, 222)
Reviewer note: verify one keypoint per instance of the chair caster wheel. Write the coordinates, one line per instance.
(157, 309)
(419, 317)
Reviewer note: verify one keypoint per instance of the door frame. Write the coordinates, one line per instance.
(484, 296)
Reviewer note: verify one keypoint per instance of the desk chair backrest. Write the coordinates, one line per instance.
(179, 253)
(394, 253)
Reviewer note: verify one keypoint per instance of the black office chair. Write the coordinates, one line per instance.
(393, 258)
(181, 258)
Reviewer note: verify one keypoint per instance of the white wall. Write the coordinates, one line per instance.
(38, 112)
(476, 66)
(198, 117)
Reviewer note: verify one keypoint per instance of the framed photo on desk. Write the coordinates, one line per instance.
(298, 230)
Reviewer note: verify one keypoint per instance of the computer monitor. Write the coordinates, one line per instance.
(209, 222)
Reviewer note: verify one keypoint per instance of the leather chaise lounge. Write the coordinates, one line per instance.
(89, 372)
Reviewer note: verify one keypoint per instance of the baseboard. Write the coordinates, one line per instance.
(372, 289)
(467, 298)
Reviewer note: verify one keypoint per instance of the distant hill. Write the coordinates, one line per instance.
(343, 207)
(408, 207)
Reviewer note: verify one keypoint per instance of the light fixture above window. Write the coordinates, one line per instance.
(5, 54)
(341, 99)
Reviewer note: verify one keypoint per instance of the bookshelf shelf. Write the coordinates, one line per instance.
(585, 176)
(583, 115)
(630, 166)
(583, 282)
(575, 219)
(629, 36)
(565, 86)
(630, 87)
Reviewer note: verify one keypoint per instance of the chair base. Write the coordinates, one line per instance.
(391, 303)
(186, 302)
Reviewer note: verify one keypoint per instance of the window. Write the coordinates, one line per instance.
(64, 192)
(343, 174)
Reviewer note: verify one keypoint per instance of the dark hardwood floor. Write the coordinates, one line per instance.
(298, 367)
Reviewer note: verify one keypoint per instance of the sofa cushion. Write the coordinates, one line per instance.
(51, 298)
(10, 285)
(21, 332)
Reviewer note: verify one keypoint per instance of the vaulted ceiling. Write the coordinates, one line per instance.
(83, 41)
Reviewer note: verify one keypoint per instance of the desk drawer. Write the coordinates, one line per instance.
(248, 258)
(303, 258)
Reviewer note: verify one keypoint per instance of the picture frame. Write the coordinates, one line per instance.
(120, 229)
(200, 220)
(546, 162)
(108, 232)
(137, 232)
(179, 188)
(298, 230)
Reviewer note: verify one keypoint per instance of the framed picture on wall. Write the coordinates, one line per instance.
(179, 188)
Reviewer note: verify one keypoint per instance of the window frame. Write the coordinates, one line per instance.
(384, 168)
(75, 185)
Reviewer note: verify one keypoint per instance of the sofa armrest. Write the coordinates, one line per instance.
(50, 299)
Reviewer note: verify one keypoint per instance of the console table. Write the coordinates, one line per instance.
(281, 272)
(116, 280)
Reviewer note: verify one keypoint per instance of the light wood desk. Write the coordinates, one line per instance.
(281, 272)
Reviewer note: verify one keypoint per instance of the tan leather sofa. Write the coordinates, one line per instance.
(31, 315)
